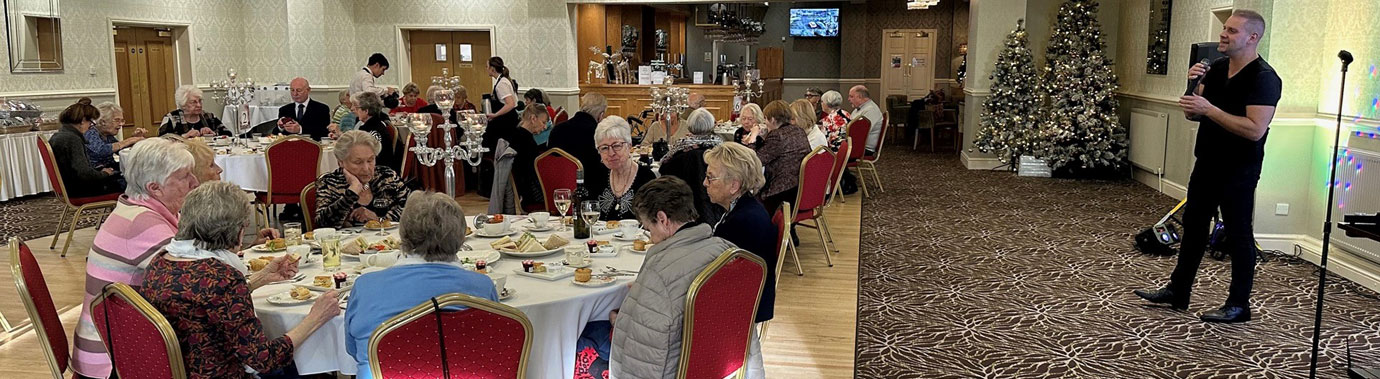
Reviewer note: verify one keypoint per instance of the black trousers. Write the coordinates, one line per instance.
(1232, 189)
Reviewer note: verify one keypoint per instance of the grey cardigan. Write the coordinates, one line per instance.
(647, 335)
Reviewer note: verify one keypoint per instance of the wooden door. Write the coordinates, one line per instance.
(894, 43)
(472, 68)
(145, 75)
(907, 62)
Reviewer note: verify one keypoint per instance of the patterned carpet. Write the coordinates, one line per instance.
(36, 216)
(986, 274)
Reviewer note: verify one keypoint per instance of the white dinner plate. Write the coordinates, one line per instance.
(285, 298)
(533, 254)
(630, 248)
(539, 227)
(554, 272)
(469, 257)
(261, 248)
(506, 294)
(619, 236)
(481, 233)
(310, 284)
(596, 281)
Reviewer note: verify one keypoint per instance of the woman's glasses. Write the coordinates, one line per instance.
(616, 146)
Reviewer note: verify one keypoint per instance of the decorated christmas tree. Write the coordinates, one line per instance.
(1079, 127)
(1009, 114)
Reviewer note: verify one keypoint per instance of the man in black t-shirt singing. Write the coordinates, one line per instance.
(1234, 104)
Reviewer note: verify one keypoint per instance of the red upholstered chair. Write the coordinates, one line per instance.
(73, 205)
(308, 204)
(809, 199)
(869, 162)
(561, 116)
(33, 291)
(783, 242)
(142, 344)
(840, 164)
(483, 340)
(555, 170)
(292, 165)
(857, 130)
(718, 316)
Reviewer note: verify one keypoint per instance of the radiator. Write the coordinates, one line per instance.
(1358, 182)
(1149, 130)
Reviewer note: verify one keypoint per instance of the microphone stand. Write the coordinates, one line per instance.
(1327, 221)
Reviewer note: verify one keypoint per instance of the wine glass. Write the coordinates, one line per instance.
(562, 199)
(589, 210)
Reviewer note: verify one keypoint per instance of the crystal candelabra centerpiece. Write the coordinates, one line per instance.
(469, 149)
(749, 87)
(239, 94)
(669, 102)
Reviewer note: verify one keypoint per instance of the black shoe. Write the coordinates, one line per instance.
(1227, 314)
(1164, 296)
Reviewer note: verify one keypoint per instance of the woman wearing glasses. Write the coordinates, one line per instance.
(614, 195)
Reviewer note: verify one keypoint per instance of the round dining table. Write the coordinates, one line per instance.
(558, 309)
(248, 169)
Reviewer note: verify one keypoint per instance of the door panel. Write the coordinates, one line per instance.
(146, 76)
(422, 51)
(474, 75)
(893, 63)
(161, 83)
(126, 93)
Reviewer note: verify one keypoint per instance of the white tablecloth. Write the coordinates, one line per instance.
(258, 114)
(250, 171)
(21, 168)
(558, 310)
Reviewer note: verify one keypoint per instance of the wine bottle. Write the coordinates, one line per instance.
(581, 194)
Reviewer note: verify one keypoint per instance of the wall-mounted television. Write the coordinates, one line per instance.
(815, 22)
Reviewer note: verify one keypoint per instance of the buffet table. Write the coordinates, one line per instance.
(558, 309)
(22, 173)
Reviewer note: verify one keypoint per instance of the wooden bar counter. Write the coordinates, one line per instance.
(630, 99)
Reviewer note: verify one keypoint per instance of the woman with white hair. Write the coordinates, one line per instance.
(189, 119)
(427, 267)
(835, 121)
(368, 107)
(686, 159)
(360, 190)
(203, 288)
(750, 117)
(101, 144)
(614, 194)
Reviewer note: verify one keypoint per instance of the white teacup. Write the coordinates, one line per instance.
(577, 256)
(630, 228)
(500, 281)
(302, 251)
(540, 217)
(495, 228)
(381, 259)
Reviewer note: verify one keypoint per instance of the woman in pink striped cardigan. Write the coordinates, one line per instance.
(160, 173)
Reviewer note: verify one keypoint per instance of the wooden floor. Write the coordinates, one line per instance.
(812, 335)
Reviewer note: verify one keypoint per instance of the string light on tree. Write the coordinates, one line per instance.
(1079, 126)
(1008, 115)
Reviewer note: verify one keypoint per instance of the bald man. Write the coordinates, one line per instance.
(303, 115)
(864, 107)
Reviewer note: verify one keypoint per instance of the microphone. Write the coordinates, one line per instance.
(1346, 59)
(1193, 83)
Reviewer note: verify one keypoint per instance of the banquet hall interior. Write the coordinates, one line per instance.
(716, 169)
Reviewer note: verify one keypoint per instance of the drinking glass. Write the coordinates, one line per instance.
(292, 232)
(562, 199)
(590, 211)
(330, 251)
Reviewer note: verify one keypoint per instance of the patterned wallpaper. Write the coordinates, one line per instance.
(323, 40)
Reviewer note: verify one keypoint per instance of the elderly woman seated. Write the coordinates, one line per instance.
(202, 287)
(751, 118)
(101, 144)
(783, 147)
(368, 107)
(360, 190)
(733, 174)
(411, 100)
(614, 194)
(73, 163)
(805, 119)
(835, 120)
(189, 120)
(427, 267)
(523, 140)
(686, 159)
(647, 331)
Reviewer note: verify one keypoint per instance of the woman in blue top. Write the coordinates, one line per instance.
(432, 231)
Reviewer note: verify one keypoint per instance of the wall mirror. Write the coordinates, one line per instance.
(1157, 52)
(34, 35)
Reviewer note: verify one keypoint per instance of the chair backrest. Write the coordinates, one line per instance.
(555, 170)
(292, 164)
(45, 152)
(409, 161)
(561, 116)
(840, 163)
(782, 221)
(718, 315)
(881, 139)
(482, 340)
(857, 130)
(141, 342)
(308, 204)
(814, 179)
(33, 291)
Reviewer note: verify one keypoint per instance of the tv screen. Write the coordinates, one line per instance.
(816, 22)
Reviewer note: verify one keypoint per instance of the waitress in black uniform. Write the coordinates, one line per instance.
(502, 114)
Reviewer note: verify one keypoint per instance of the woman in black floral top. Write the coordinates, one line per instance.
(613, 139)
(189, 119)
(360, 190)
(203, 288)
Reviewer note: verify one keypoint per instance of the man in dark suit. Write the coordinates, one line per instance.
(303, 115)
(576, 136)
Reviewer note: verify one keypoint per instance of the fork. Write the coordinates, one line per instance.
(294, 279)
(613, 270)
